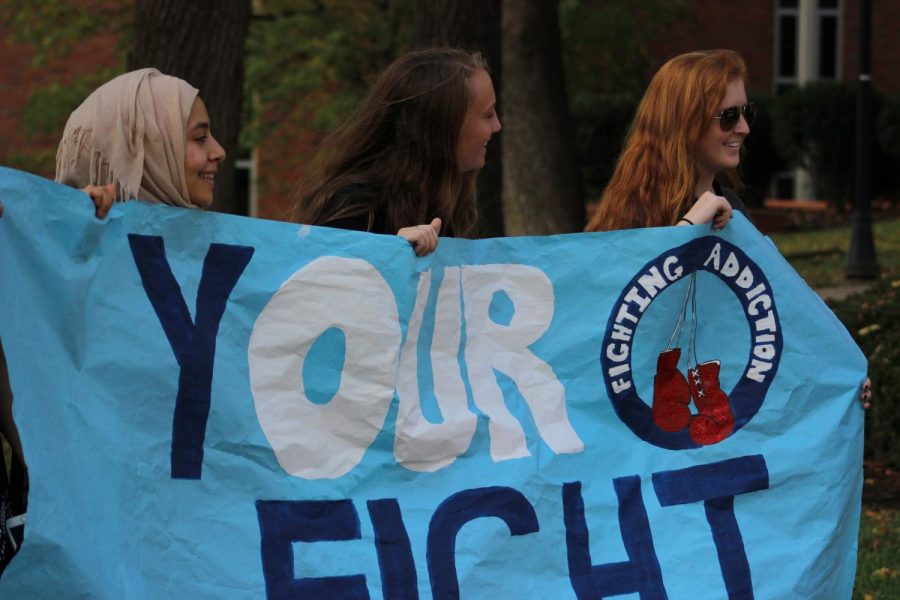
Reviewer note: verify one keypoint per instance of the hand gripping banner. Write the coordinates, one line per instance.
(220, 407)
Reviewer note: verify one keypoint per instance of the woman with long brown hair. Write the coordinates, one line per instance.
(688, 130)
(406, 160)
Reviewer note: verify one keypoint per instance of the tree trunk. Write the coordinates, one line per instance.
(472, 26)
(541, 182)
(202, 42)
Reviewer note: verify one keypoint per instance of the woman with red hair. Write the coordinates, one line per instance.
(687, 134)
(688, 130)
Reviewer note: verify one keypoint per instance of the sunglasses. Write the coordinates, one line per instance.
(729, 117)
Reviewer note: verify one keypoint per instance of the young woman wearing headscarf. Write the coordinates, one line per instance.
(145, 134)
(142, 135)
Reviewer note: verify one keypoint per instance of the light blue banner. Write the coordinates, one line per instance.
(220, 407)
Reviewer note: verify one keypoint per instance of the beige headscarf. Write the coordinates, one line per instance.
(131, 131)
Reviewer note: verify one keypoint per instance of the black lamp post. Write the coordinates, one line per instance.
(861, 262)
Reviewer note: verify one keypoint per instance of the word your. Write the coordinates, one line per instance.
(316, 441)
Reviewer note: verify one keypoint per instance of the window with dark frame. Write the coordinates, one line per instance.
(786, 16)
(827, 22)
(826, 54)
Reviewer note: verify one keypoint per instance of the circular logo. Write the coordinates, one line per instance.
(752, 290)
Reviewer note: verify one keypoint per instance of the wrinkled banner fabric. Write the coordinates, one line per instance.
(219, 407)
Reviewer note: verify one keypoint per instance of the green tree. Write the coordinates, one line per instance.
(309, 63)
(607, 44)
(52, 30)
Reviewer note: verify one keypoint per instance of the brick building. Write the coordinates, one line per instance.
(791, 42)
(25, 144)
(785, 43)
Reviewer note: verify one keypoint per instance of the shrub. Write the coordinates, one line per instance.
(761, 160)
(600, 131)
(815, 128)
(888, 128)
(873, 319)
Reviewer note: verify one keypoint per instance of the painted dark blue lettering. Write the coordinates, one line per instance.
(194, 343)
(395, 559)
(716, 485)
(283, 522)
(457, 510)
(640, 573)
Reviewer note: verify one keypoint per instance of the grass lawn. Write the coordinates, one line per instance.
(818, 256)
(878, 560)
(877, 575)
